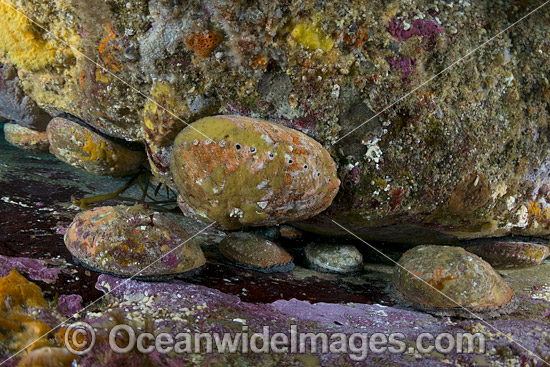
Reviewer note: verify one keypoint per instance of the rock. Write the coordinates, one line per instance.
(509, 253)
(33, 268)
(128, 240)
(134, 301)
(241, 171)
(333, 258)
(271, 233)
(15, 105)
(462, 157)
(69, 304)
(252, 251)
(448, 280)
(27, 139)
(81, 147)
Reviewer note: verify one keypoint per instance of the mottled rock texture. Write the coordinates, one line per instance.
(15, 105)
(463, 157)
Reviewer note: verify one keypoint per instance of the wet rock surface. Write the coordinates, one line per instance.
(463, 157)
(448, 280)
(36, 210)
(38, 192)
(427, 169)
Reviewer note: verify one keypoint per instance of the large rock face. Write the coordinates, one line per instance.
(463, 156)
(15, 105)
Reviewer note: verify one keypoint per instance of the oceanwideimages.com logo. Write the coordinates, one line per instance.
(80, 339)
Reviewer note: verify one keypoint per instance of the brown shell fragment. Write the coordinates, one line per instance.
(447, 280)
(252, 251)
(241, 171)
(509, 254)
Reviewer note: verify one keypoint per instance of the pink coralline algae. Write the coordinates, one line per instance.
(405, 64)
(33, 268)
(69, 304)
(427, 29)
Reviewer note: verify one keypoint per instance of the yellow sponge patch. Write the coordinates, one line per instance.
(22, 44)
(312, 37)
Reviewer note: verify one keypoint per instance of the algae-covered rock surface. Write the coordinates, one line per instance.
(399, 122)
(462, 156)
(36, 211)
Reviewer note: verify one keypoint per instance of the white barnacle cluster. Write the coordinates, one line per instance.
(374, 153)
(236, 213)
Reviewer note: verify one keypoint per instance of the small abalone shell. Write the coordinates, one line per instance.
(290, 232)
(252, 251)
(448, 280)
(132, 240)
(333, 258)
(28, 139)
(241, 171)
(80, 147)
(509, 254)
